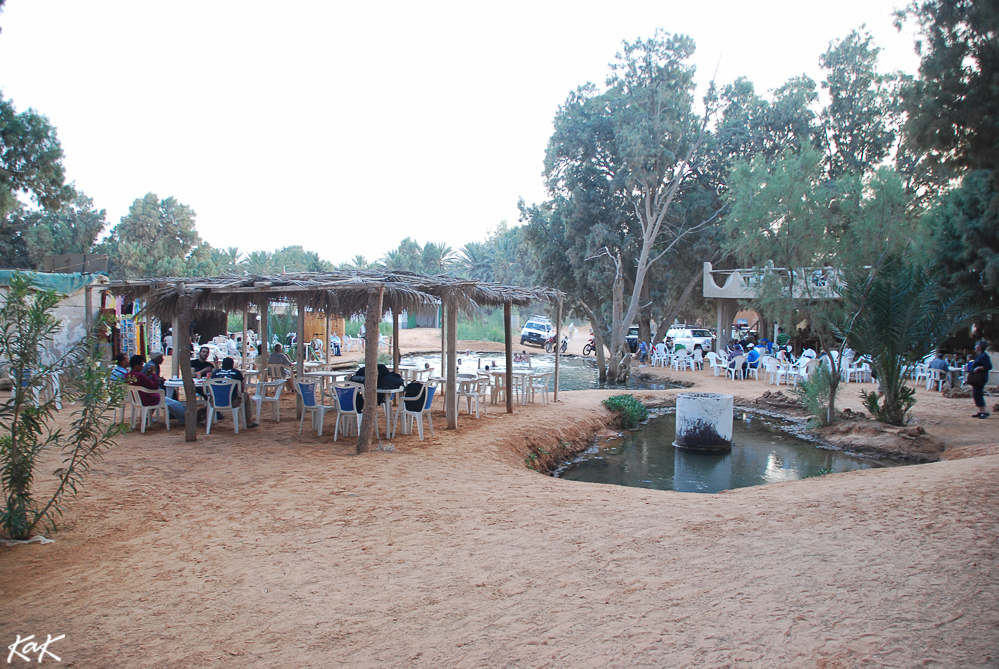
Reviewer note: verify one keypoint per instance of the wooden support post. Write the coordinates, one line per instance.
(264, 348)
(329, 346)
(396, 349)
(558, 343)
(508, 338)
(300, 357)
(374, 314)
(182, 347)
(242, 351)
(175, 356)
(443, 340)
(452, 364)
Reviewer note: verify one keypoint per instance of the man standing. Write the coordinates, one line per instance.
(232, 346)
(782, 338)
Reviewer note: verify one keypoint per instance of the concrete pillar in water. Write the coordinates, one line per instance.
(704, 422)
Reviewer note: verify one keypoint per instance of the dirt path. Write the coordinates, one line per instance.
(271, 549)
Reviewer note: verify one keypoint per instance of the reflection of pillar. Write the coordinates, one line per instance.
(701, 472)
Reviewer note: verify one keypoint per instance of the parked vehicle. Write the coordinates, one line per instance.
(691, 337)
(537, 331)
(632, 338)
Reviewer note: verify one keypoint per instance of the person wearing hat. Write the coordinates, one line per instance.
(152, 368)
(753, 356)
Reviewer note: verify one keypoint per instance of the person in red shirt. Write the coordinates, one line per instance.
(136, 378)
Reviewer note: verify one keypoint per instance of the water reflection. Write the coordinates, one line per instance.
(761, 453)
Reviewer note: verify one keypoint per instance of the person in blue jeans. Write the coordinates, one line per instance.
(981, 363)
(137, 378)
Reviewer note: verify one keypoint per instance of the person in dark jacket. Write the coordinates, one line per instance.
(981, 364)
(387, 380)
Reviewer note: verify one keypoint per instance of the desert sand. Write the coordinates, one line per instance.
(274, 549)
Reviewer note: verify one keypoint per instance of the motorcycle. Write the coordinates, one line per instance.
(550, 344)
(589, 347)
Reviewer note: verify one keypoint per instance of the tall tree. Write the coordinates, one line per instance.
(157, 238)
(72, 229)
(953, 106)
(642, 134)
(30, 160)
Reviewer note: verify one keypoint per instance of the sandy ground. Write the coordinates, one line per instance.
(270, 549)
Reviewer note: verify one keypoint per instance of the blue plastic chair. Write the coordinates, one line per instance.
(309, 392)
(427, 394)
(221, 392)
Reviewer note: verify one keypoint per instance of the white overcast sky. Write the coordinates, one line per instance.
(345, 127)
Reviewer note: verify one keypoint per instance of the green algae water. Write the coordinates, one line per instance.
(761, 453)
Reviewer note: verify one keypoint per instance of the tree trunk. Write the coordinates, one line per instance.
(598, 339)
(508, 348)
(618, 344)
(374, 314)
(452, 365)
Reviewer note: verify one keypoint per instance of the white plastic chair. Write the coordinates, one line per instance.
(715, 362)
(136, 393)
(734, 368)
(260, 397)
(474, 392)
(698, 359)
(311, 401)
(220, 393)
(538, 383)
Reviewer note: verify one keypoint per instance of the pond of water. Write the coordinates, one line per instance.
(762, 452)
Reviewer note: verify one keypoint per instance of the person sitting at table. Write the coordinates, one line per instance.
(152, 368)
(279, 357)
(335, 343)
(200, 365)
(229, 371)
(135, 377)
(939, 363)
(231, 345)
(121, 367)
(753, 357)
(260, 362)
(318, 346)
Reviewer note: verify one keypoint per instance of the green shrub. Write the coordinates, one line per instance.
(632, 411)
(814, 393)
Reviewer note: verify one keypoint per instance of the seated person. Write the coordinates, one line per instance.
(135, 377)
(317, 346)
(200, 366)
(753, 357)
(232, 346)
(229, 371)
(940, 364)
(260, 362)
(335, 343)
(765, 344)
(278, 357)
(152, 368)
(120, 368)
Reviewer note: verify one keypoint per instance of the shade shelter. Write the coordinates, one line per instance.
(370, 293)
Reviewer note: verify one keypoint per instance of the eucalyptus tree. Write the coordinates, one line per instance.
(641, 136)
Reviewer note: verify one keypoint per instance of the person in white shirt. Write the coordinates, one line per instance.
(335, 343)
(317, 346)
(232, 345)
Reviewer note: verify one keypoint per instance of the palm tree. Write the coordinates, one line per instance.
(478, 260)
(438, 258)
(903, 314)
(258, 262)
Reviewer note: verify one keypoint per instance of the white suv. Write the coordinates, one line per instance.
(690, 338)
(537, 331)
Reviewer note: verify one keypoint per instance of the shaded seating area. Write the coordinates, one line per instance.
(343, 294)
